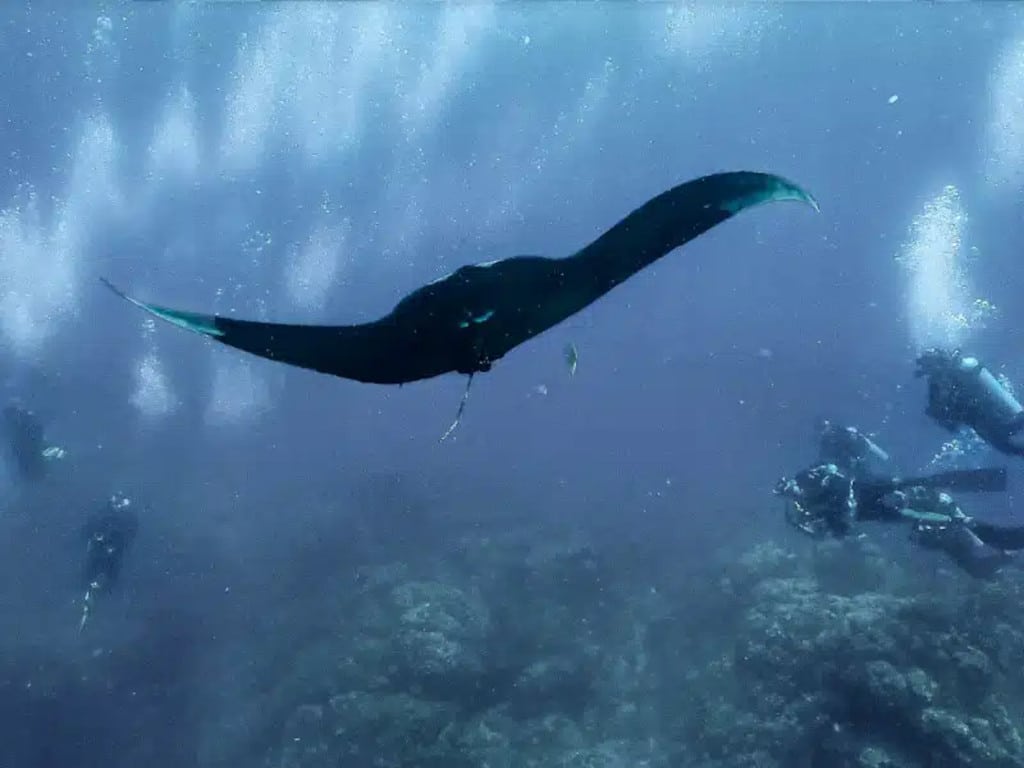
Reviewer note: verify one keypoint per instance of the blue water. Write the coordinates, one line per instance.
(313, 162)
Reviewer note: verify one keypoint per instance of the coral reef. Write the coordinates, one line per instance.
(569, 655)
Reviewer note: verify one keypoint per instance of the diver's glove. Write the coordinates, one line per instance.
(119, 501)
(786, 487)
(54, 453)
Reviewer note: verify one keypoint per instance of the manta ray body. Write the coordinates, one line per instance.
(464, 322)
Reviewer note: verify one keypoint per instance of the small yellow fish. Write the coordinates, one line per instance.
(571, 357)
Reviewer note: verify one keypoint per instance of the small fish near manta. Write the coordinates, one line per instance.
(465, 322)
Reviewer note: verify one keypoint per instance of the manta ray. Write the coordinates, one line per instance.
(466, 321)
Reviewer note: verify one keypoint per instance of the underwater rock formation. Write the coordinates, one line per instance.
(866, 679)
(510, 654)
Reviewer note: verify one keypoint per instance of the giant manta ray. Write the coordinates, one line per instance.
(464, 322)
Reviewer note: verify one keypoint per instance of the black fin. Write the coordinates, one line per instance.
(369, 353)
(674, 218)
(986, 480)
(466, 321)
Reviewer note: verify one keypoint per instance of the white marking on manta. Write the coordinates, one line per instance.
(466, 266)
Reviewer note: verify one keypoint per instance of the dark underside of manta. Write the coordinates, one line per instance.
(466, 321)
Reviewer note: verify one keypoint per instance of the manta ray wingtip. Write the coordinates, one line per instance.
(190, 321)
(810, 199)
(744, 189)
(790, 190)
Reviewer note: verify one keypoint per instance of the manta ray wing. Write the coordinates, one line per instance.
(368, 353)
(672, 219)
(528, 295)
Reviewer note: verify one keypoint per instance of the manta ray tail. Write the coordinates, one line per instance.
(358, 352)
(458, 413)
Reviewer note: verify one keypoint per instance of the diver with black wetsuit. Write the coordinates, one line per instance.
(26, 442)
(109, 534)
(962, 392)
(24, 436)
(824, 501)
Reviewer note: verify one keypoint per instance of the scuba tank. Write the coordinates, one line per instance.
(998, 403)
(850, 449)
(873, 449)
(963, 392)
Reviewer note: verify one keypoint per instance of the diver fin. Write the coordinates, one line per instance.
(458, 414)
(986, 480)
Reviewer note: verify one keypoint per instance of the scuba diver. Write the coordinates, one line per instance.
(26, 443)
(825, 501)
(109, 534)
(853, 452)
(963, 393)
